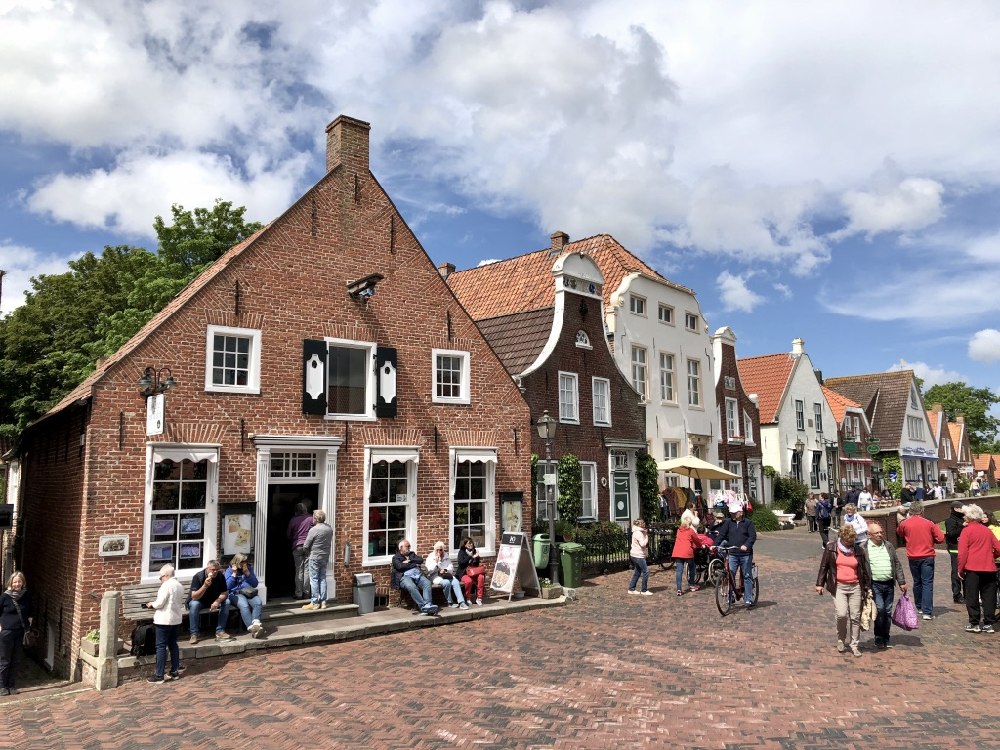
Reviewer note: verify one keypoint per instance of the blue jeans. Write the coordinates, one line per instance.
(922, 570)
(195, 607)
(301, 572)
(641, 569)
(317, 579)
(683, 562)
(249, 608)
(884, 592)
(744, 561)
(166, 638)
(419, 590)
(452, 589)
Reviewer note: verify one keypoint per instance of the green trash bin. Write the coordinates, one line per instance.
(571, 560)
(541, 551)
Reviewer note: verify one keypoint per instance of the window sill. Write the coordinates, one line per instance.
(601, 424)
(351, 417)
(451, 401)
(241, 391)
(569, 421)
(669, 403)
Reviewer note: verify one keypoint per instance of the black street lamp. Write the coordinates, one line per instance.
(546, 426)
(150, 383)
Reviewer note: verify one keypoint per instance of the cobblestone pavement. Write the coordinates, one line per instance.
(609, 671)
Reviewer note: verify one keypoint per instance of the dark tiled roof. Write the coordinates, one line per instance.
(767, 376)
(884, 397)
(518, 339)
(526, 283)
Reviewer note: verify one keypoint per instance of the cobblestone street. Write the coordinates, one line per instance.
(609, 671)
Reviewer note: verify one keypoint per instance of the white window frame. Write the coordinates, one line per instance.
(465, 378)
(177, 452)
(487, 457)
(253, 369)
(371, 385)
(541, 498)
(373, 454)
(601, 392)
(818, 418)
(643, 391)
(732, 425)
(815, 467)
(915, 428)
(947, 449)
(588, 468)
(800, 415)
(569, 398)
(670, 318)
(694, 394)
(748, 429)
(669, 374)
(671, 449)
(637, 305)
(736, 467)
(691, 321)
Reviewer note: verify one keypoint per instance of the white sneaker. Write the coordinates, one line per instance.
(645, 593)
(633, 591)
(255, 629)
(463, 605)
(927, 617)
(479, 602)
(453, 605)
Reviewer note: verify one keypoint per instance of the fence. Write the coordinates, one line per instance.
(607, 546)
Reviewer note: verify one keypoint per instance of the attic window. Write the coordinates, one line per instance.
(583, 340)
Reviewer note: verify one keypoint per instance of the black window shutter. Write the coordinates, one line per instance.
(314, 383)
(385, 377)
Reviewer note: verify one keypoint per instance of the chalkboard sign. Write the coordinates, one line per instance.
(514, 563)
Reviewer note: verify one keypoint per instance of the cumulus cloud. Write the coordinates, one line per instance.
(735, 294)
(930, 374)
(21, 263)
(783, 289)
(910, 204)
(984, 346)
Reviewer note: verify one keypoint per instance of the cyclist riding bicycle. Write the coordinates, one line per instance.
(739, 534)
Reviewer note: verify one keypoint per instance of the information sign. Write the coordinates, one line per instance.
(514, 563)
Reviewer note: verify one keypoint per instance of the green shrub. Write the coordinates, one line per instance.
(649, 489)
(570, 500)
(790, 495)
(890, 464)
(764, 519)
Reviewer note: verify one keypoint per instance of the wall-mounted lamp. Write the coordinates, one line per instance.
(151, 383)
(799, 446)
(364, 289)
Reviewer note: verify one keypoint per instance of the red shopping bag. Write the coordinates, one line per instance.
(905, 614)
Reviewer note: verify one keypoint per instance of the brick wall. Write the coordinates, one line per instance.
(729, 453)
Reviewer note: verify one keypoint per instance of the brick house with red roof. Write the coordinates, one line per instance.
(323, 361)
(947, 455)
(543, 314)
(854, 463)
(739, 419)
(985, 467)
(963, 449)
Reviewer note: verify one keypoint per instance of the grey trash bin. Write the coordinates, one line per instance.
(364, 593)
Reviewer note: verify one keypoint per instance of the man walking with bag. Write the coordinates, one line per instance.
(920, 536)
(886, 574)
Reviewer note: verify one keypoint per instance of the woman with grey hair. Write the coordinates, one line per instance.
(15, 621)
(167, 617)
(978, 548)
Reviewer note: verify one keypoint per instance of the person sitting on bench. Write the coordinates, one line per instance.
(208, 589)
(406, 575)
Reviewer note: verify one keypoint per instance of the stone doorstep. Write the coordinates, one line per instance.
(290, 634)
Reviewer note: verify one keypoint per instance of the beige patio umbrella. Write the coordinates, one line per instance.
(690, 466)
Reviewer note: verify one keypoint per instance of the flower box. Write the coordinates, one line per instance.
(550, 592)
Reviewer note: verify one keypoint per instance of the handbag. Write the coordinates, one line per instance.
(475, 570)
(27, 639)
(868, 613)
(905, 614)
(248, 591)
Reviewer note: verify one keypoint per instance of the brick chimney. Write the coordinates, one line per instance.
(347, 144)
(559, 242)
(938, 408)
(446, 270)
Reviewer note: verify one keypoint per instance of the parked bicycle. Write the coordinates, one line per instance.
(661, 545)
(729, 587)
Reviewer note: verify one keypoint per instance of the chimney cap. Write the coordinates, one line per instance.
(559, 241)
(345, 120)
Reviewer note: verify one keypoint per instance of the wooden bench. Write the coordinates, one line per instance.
(133, 599)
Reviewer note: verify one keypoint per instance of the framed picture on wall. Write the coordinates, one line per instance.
(512, 511)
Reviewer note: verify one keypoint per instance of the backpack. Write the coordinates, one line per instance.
(143, 640)
(823, 509)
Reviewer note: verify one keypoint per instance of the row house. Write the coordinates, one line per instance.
(322, 361)
(899, 422)
(797, 428)
(947, 455)
(543, 314)
(854, 462)
(738, 419)
(984, 466)
(963, 449)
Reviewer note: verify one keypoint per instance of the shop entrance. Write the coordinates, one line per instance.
(281, 502)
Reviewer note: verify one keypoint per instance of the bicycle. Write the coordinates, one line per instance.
(662, 551)
(729, 587)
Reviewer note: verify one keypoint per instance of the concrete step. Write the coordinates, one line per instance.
(285, 611)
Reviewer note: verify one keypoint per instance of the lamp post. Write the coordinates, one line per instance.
(546, 426)
(150, 383)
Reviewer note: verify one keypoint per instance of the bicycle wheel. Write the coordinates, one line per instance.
(756, 583)
(715, 571)
(666, 561)
(724, 595)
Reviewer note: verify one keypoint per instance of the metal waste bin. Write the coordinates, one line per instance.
(364, 593)
(541, 551)
(571, 559)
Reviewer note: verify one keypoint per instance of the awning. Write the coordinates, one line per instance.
(476, 455)
(395, 454)
(179, 453)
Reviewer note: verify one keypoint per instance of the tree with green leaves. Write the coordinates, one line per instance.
(649, 488)
(570, 483)
(973, 404)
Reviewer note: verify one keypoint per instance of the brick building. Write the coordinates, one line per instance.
(324, 360)
(854, 462)
(543, 314)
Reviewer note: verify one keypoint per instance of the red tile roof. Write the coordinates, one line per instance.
(767, 376)
(982, 461)
(838, 404)
(525, 282)
(932, 416)
(955, 430)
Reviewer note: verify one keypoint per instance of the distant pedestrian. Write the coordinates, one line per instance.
(298, 530)
(811, 512)
(855, 519)
(169, 606)
(865, 499)
(685, 544)
(975, 486)
(824, 513)
(638, 553)
(978, 549)
(844, 572)
(838, 505)
(954, 524)
(886, 573)
(691, 514)
(906, 494)
(318, 546)
(15, 621)
(921, 535)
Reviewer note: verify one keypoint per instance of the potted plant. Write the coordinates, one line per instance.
(548, 589)
(90, 643)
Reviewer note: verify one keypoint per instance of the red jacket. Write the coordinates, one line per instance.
(686, 543)
(977, 547)
(921, 535)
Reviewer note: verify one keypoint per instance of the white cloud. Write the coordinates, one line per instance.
(984, 346)
(909, 204)
(783, 289)
(143, 185)
(735, 294)
(21, 264)
(930, 374)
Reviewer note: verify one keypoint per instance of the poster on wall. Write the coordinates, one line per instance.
(511, 516)
(237, 533)
(154, 415)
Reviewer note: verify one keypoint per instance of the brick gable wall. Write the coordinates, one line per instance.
(729, 453)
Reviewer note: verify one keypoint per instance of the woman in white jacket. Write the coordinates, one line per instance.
(439, 570)
(167, 617)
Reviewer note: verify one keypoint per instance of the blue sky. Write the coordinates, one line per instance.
(823, 170)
